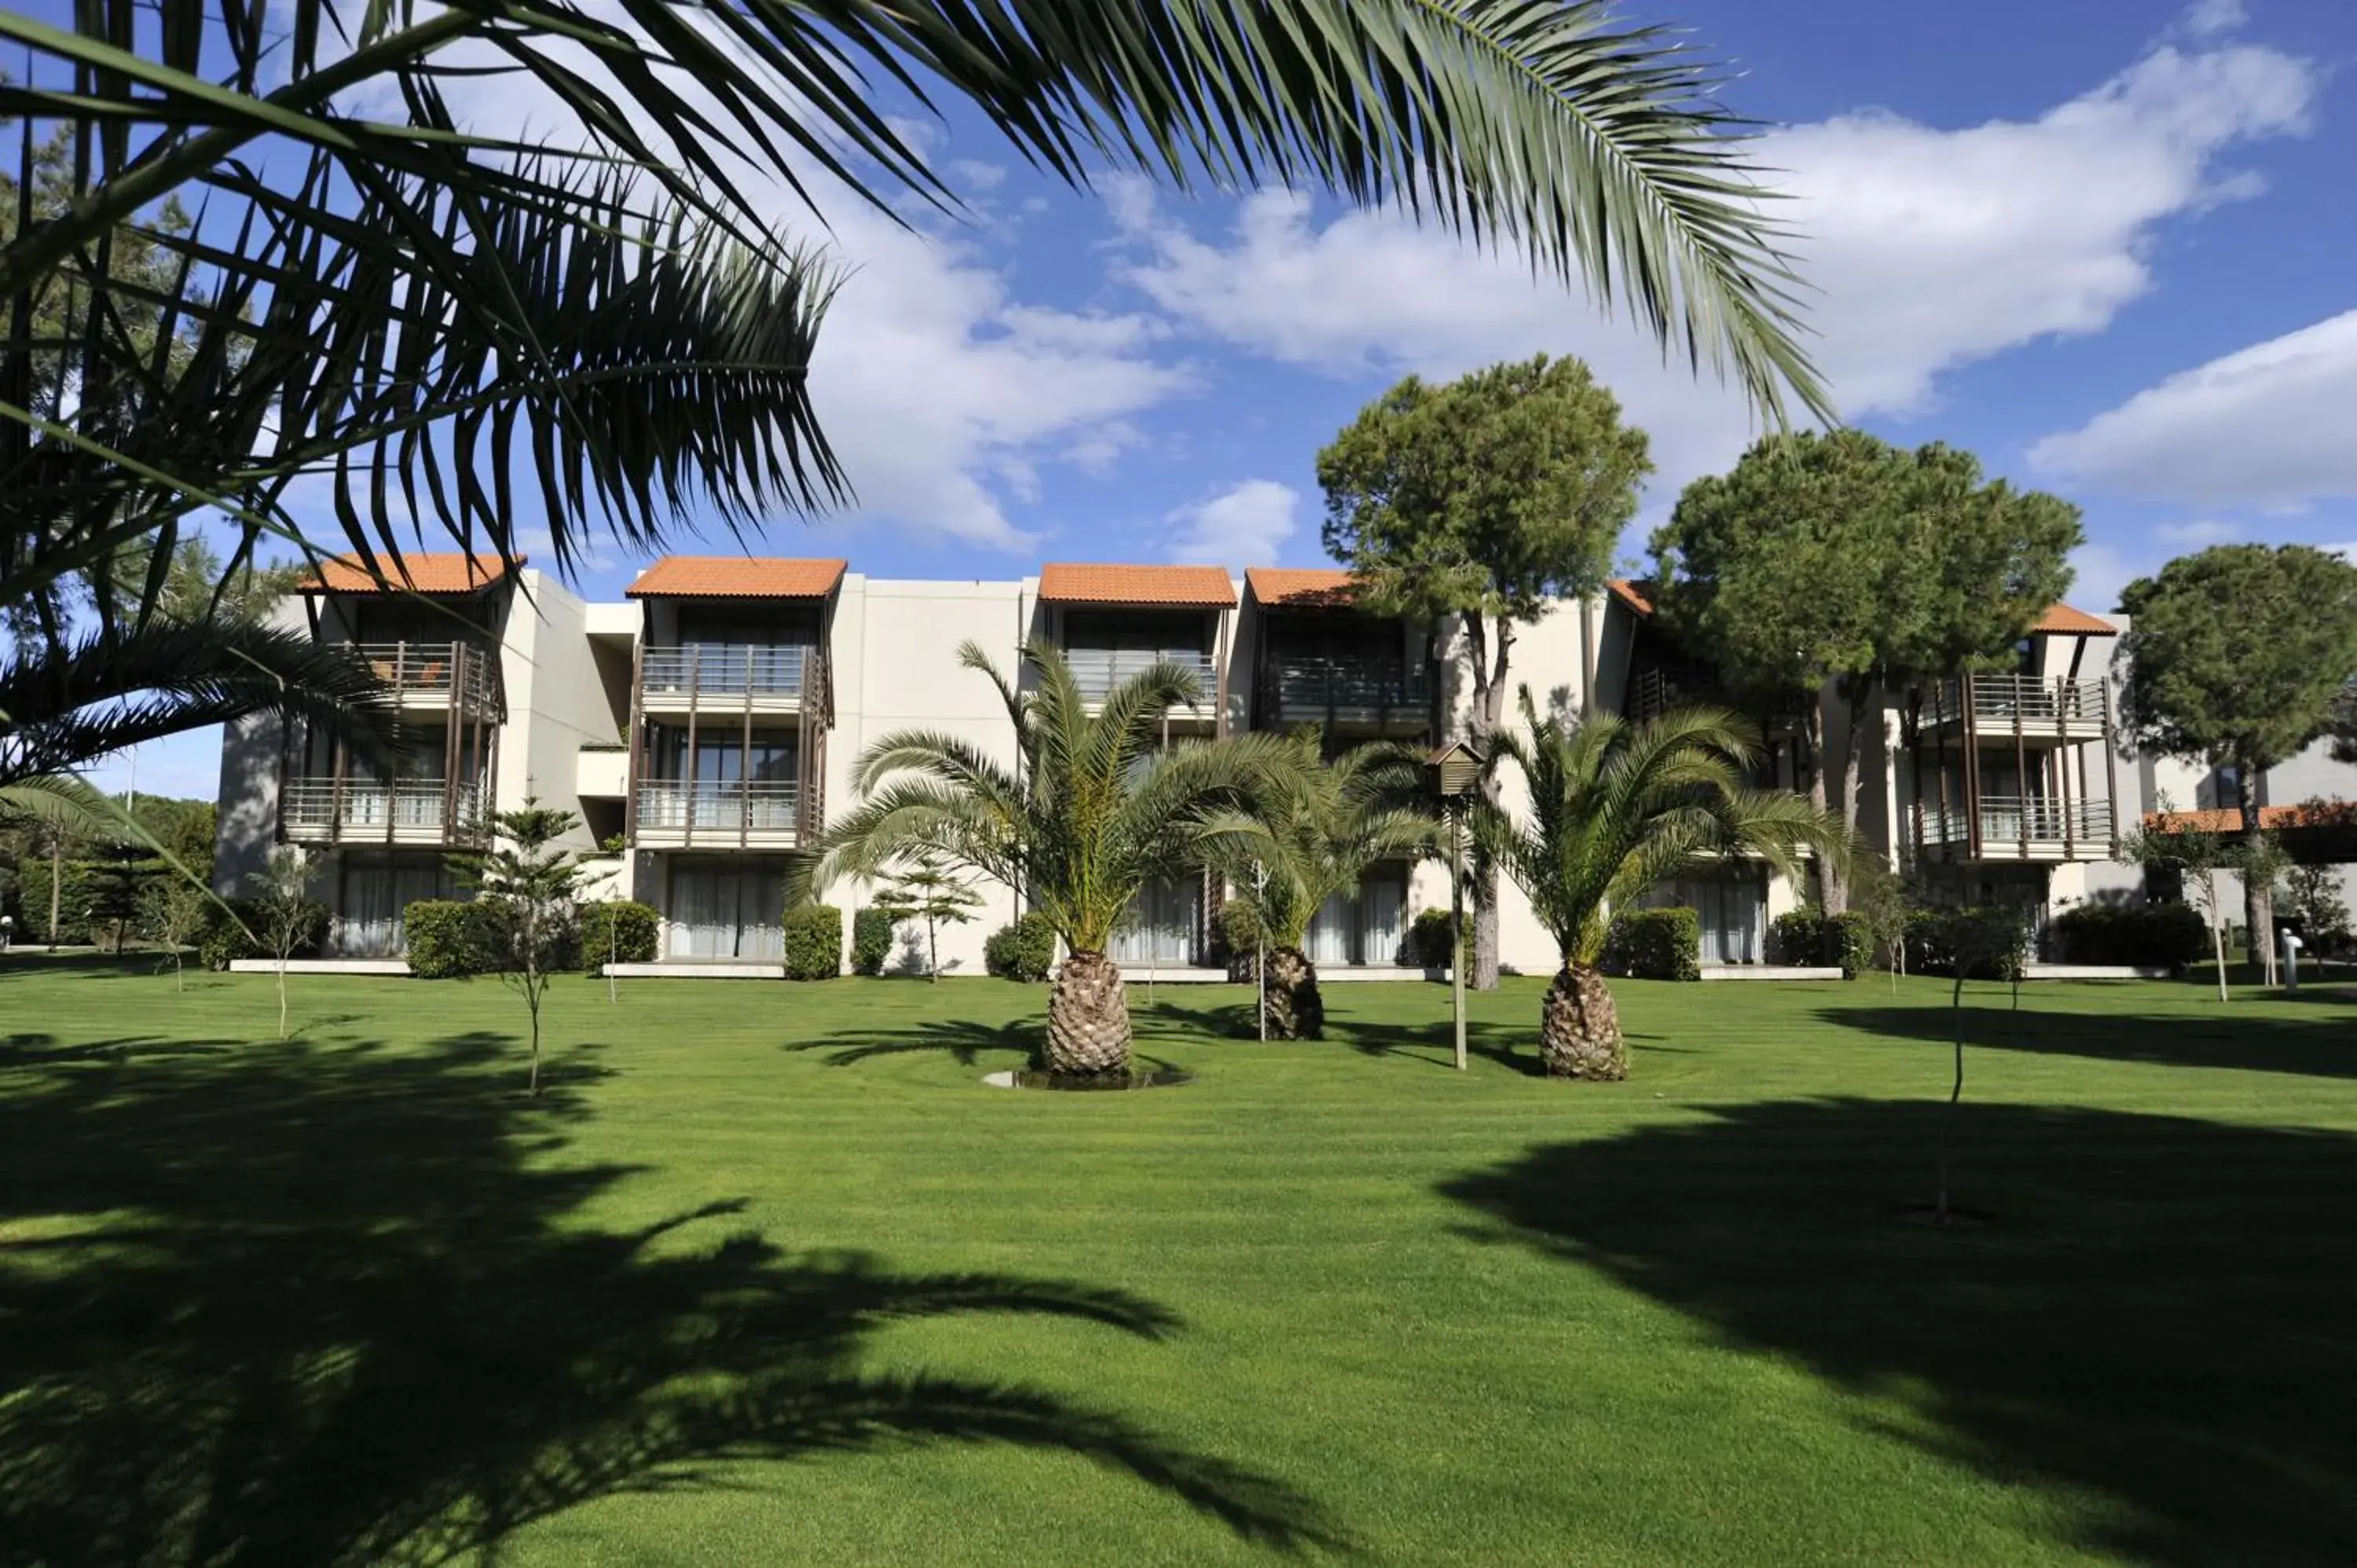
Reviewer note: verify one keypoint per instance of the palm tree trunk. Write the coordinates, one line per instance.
(1579, 1029)
(1088, 1018)
(1294, 1009)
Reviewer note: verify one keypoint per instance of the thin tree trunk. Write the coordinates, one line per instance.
(1956, 1091)
(933, 953)
(1836, 888)
(1488, 658)
(57, 881)
(281, 996)
(2258, 897)
(2217, 932)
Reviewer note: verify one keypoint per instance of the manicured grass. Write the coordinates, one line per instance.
(768, 1277)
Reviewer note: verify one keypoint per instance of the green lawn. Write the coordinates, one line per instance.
(768, 1277)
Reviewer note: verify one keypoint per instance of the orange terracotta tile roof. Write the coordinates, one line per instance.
(1065, 583)
(1638, 597)
(1298, 587)
(2229, 819)
(428, 573)
(737, 577)
(2064, 619)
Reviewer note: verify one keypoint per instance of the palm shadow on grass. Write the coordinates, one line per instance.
(964, 1040)
(298, 1305)
(2160, 1318)
(1430, 1043)
(2323, 1044)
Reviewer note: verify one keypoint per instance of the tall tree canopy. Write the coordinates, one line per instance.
(2238, 657)
(1483, 499)
(1840, 558)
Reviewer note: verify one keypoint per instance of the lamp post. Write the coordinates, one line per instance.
(1455, 774)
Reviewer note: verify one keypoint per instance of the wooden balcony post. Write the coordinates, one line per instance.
(635, 780)
(2062, 780)
(451, 733)
(2111, 769)
(1967, 702)
(687, 785)
(745, 762)
(2021, 778)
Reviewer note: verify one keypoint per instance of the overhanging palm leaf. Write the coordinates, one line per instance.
(60, 802)
(1615, 809)
(63, 709)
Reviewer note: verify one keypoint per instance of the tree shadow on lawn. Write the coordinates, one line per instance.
(295, 1305)
(964, 1040)
(2159, 1313)
(1238, 1023)
(2322, 1045)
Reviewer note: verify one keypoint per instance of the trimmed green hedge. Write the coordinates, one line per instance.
(449, 939)
(813, 941)
(1807, 939)
(1990, 944)
(1025, 951)
(2148, 936)
(618, 931)
(220, 940)
(871, 940)
(1654, 944)
(1427, 939)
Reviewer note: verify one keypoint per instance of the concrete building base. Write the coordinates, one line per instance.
(320, 966)
(2090, 971)
(1339, 975)
(688, 968)
(1769, 972)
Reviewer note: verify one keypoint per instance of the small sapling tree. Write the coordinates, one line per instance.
(928, 890)
(284, 909)
(537, 882)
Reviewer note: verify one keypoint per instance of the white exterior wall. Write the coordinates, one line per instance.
(558, 701)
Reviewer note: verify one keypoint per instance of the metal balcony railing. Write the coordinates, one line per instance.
(728, 670)
(1314, 685)
(1098, 670)
(1999, 700)
(736, 807)
(2013, 820)
(460, 672)
(349, 808)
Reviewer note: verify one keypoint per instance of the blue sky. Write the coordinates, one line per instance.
(2104, 243)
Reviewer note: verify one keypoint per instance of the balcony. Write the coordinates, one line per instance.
(434, 674)
(2038, 708)
(1098, 670)
(1383, 693)
(428, 812)
(756, 815)
(731, 676)
(2017, 827)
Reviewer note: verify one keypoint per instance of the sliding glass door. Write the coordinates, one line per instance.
(721, 909)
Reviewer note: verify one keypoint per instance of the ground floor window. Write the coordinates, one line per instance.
(373, 888)
(727, 908)
(1369, 926)
(1732, 906)
(1162, 922)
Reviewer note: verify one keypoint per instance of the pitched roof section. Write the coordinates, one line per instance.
(1301, 588)
(1637, 596)
(428, 573)
(1065, 583)
(2078, 623)
(737, 577)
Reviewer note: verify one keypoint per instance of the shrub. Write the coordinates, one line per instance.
(1994, 943)
(813, 941)
(448, 938)
(2148, 936)
(1235, 941)
(1427, 939)
(1025, 951)
(1807, 939)
(871, 940)
(1654, 944)
(618, 931)
(220, 940)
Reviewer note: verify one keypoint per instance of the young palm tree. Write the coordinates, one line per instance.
(1311, 833)
(1615, 807)
(1090, 812)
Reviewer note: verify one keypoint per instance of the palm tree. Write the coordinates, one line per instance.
(1090, 810)
(1311, 833)
(340, 201)
(1615, 807)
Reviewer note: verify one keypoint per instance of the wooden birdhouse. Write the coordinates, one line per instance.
(1454, 771)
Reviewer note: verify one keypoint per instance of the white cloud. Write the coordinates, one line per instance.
(2208, 18)
(2098, 574)
(2267, 427)
(2200, 534)
(1930, 248)
(979, 174)
(1245, 525)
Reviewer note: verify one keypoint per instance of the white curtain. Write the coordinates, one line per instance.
(376, 889)
(725, 911)
(1329, 939)
(1161, 926)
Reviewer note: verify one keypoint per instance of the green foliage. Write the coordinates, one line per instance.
(1839, 557)
(1025, 950)
(871, 940)
(2239, 652)
(1489, 495)
(449, 938)
(1427, 939)
(1654, 944)
(2148, 936)
(929, 892)
(618, 931)
(235, 932)
(2313, 893)
(1977, 944)
(813, 941)
(536, 882)
(1810, 937)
